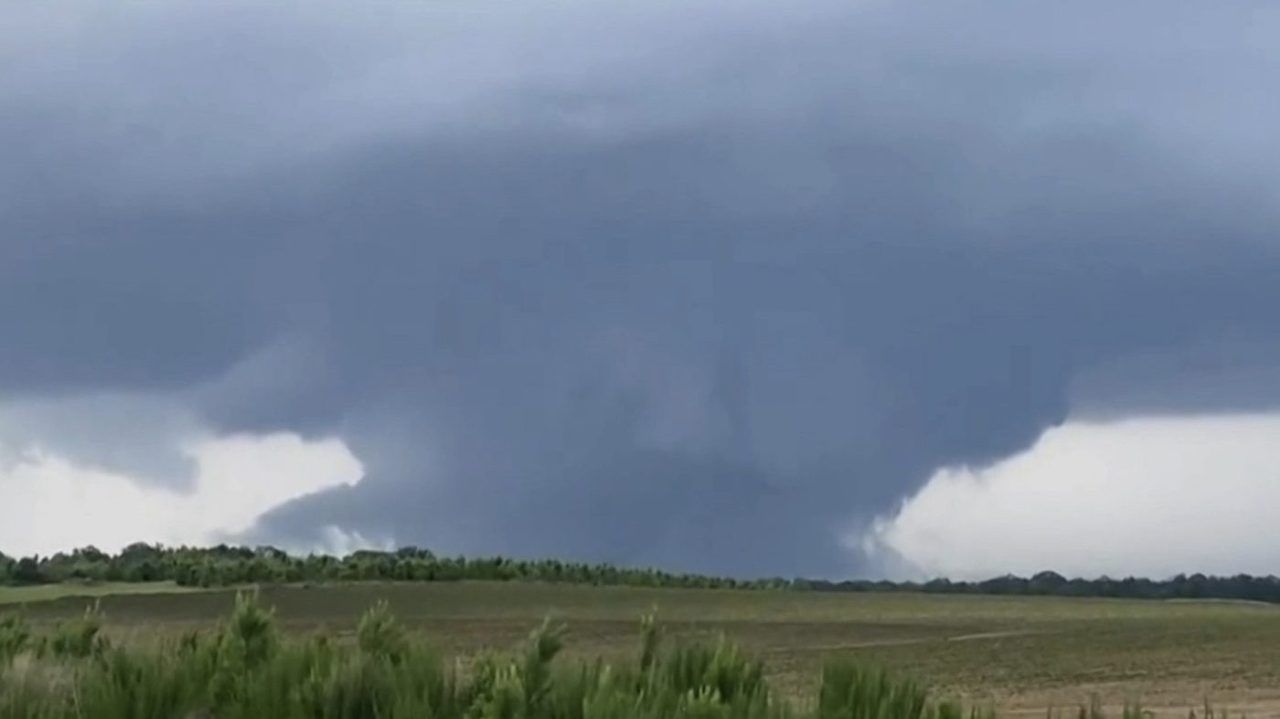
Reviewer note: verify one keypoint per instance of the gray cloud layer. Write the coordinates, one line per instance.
(700, 285)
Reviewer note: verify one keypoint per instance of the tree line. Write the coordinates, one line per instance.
(224, 566)
(1182, 586)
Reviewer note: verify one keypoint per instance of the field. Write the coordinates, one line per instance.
(1018, 654)
(46, 592)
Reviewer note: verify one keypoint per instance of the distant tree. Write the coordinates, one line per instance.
(27, 571)
(91, 554)
(1046, 583)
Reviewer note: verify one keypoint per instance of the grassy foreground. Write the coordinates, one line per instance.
(247, 669)
(1020, 655)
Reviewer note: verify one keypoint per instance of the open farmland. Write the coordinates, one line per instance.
(1016, 653)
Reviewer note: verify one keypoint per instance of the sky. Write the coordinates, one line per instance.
(876, 288)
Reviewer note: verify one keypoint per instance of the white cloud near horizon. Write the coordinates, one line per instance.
(1150, 497)
(53, 504)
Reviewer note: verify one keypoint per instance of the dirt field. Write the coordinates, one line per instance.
(1023, 655)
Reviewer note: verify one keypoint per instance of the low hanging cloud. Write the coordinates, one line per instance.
(1153, 496)
(52, 503)
(700, 284)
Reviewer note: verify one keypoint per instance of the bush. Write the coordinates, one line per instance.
(14, 637)
(380, 635)
(251, 633)
(81, 637)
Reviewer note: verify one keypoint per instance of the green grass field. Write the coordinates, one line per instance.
(1018, 654)
(45, 592)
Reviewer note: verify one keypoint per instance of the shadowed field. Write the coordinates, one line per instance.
(1016, 653)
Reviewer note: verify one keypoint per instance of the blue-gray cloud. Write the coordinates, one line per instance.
(695, 284)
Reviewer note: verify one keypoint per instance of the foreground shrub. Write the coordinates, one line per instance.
(849, 690)
(380, 635)
(14, 636)
(81, 637)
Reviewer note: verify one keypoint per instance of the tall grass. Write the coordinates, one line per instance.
(246, 669)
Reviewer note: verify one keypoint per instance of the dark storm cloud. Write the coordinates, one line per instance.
(696, 285)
